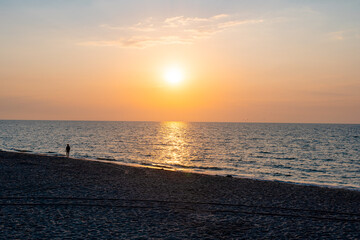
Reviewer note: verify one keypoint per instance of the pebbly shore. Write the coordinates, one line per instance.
(43, 197)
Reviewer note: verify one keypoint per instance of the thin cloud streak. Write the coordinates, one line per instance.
(345, 34)
(175, 30)
(140, 42)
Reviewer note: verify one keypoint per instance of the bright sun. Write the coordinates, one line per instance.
(174, 75)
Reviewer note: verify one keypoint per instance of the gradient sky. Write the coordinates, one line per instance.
(253, 61)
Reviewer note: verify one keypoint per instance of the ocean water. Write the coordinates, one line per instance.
(316, 154)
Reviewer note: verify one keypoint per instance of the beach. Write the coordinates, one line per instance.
(57, 197)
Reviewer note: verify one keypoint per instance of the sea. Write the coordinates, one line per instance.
(307, 154)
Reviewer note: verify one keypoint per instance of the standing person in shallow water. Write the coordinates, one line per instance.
(67, 150)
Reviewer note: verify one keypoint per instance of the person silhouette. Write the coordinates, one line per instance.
(67, 150)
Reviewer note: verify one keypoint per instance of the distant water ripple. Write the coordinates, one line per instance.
(321, 154)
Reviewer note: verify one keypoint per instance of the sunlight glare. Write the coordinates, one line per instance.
(174, 76)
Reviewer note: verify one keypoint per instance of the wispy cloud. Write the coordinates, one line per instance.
(345, 34)
(140, 41)
(175, 30)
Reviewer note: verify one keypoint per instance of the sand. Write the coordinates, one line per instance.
(58, 198)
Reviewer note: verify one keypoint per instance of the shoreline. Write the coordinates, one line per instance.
(116, 162)
(47, 197)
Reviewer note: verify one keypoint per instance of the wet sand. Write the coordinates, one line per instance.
(57, 198)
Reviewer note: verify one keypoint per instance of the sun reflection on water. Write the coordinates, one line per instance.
(175, 146)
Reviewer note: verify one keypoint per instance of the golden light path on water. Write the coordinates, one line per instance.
(175, 147)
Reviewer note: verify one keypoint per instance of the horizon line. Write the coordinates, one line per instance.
(159, 121)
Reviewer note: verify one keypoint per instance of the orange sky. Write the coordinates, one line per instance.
(281, 62)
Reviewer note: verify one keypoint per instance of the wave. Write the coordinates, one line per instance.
(281, 166)
(286, 158)
(106, 159)
(328, 160)
(259, 156)
(21, 150)
(264, 152)
(281, 174)
(203, 167)
(155, 165)
(312, 170)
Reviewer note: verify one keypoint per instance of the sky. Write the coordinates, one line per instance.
(236, 61)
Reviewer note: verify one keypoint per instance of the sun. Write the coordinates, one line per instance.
(174, 75)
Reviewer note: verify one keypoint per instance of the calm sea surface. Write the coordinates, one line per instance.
(320, 154)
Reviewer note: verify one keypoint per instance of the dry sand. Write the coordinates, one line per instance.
(46, 197)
